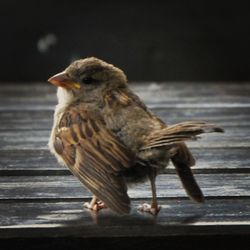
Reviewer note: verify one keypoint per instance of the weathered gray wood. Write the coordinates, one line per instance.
(26, 120)
(39, 198)
(168, 185)
(42, 162)
(43, 119)
(221, 116)
(22, 160)
(181, 89)
(177, 217)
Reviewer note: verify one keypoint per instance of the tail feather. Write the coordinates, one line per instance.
(178, 133)
(182, 161)
(188, 181)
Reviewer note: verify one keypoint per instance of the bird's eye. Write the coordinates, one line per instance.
(87, 80)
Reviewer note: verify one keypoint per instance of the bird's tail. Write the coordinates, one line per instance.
(182, 161)
(175, 136)
(178, 133)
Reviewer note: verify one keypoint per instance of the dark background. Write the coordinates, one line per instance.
(151, 40)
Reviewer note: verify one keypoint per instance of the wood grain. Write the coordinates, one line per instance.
(181, 95)
(168, 185)
(48, 219)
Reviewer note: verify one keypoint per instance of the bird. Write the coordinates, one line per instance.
(109, 139)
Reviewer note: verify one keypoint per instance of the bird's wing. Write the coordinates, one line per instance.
(95, 156)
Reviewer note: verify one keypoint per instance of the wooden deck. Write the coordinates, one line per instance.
(40, 199)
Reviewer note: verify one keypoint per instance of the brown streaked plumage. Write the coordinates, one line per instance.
(108, 138)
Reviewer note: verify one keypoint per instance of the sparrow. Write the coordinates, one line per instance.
(109, 139)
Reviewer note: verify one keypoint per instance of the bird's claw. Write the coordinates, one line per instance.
(95, 207)
(154, 210)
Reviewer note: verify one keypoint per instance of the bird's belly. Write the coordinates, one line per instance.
(136, 174)
(140, 172)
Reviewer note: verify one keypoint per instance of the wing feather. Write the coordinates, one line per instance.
(95, 156)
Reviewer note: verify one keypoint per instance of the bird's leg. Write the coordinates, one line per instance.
(95, 204)
(154, 208)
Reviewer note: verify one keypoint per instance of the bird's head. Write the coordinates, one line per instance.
(88, 76)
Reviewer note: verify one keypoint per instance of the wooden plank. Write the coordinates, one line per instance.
(177, 217)
(222, 158)
(34, 106)
(26, 120)
(181, 89)
(34, 139)
(222, 116)
(38, 139)
(43, 119)
(42, 96)
(17, 89)
(28, 160)
(42, 162)
(68, 187)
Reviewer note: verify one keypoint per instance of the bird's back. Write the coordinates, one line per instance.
(128, 117)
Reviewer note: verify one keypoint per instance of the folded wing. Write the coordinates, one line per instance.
(96, 157)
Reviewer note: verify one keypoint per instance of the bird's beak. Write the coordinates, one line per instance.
(63, 80)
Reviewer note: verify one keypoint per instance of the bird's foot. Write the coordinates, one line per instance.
(98, 205)
(149, 208)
